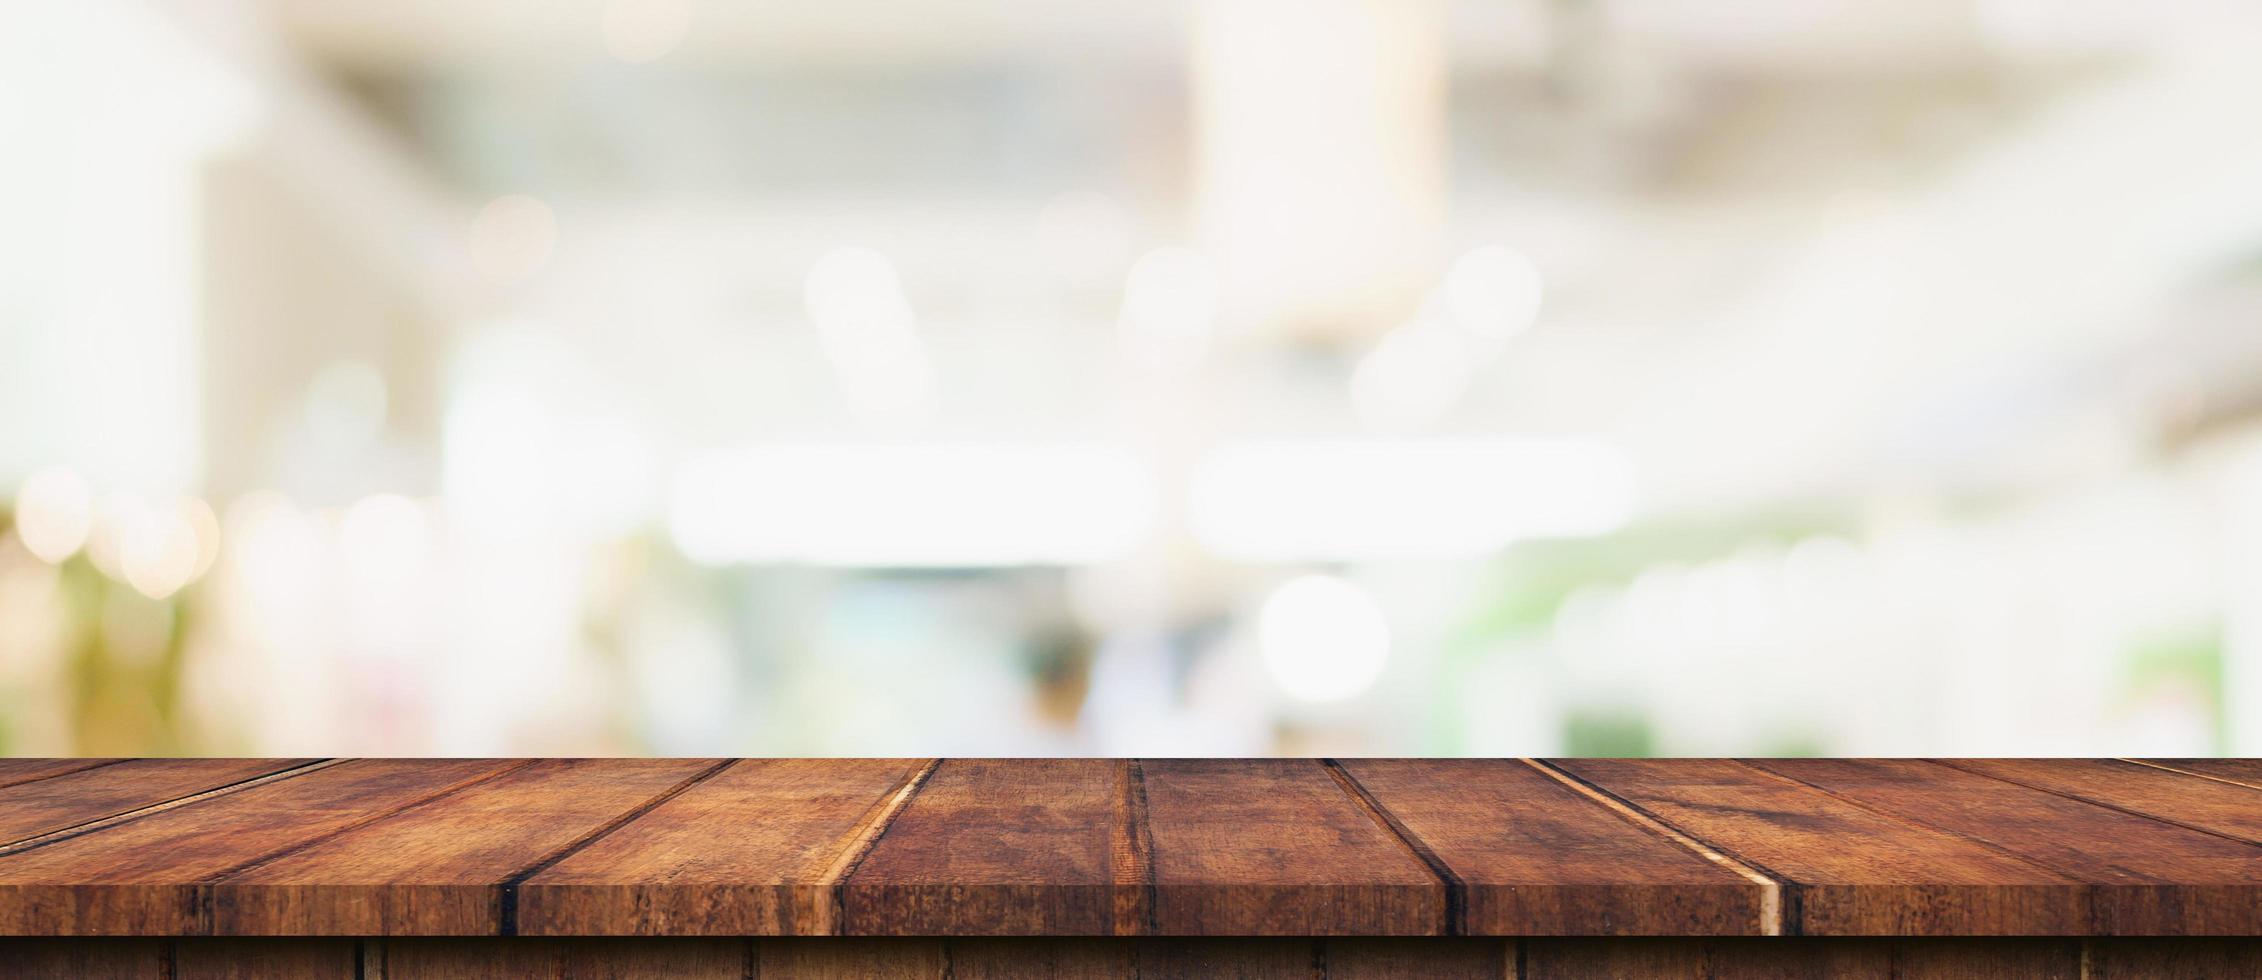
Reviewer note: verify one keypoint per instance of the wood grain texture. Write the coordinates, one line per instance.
(580, 959)
(2246, 772)
(1019, 847)
(14, 771)
(2149, 878)
(440, 869)
(266, 959)
(81, 959)
(147, 876)
(1804, 959)
(59, 802)
(2207, 805)
(757, 850)
(1103, 958)
(1848, 870)
(1534, 857)
(1129, 848)
(1279, 847)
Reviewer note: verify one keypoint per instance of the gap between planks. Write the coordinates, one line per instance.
(91, 764)
(828, 914)
(2186, 772)
(1773, 917)
(1131, 853)
(1456, 891)
(506, 915)
(1906, 820)
(2115, 807)
(128, 816)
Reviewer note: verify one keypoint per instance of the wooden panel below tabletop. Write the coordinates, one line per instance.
(1273, 847)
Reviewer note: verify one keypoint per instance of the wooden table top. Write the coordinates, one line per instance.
(967, 847)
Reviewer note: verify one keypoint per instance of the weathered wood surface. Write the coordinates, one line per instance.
(1108, 957)
(970, 848)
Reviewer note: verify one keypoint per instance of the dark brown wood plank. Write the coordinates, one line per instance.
(2180, 958)
(2153, 878)
(59, 802)
(2243, 771)
(852, 959)
(609, 958)
(1851, 871)
(439, 869)
(1536, 857)
(1016, 847)
(1804, 959)
(2203, 804)
(757, 850)
(146, 876)
(266, 959)
(14, 771)
(1242, 959)
(80, 959)
(1279, 847)
(1432, 958)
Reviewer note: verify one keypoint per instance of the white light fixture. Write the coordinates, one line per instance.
(1349, 500)
(964, 505)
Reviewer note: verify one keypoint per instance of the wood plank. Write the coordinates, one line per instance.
(757, 850)
(611, 958)
(2203, 804)
(1242, 959)
(1020, 847)
(2153, 878)
(2246, 772)
(1849, 870)
(1387, 958)
(1803, 958)
(1534, 856)
(2151, 958)
(1037, 958)
(852, 959)
(78, 959)
(14, 771)
(146, 876)
(440, 869)
(30, 809)
(1279, 847)
(266, 959)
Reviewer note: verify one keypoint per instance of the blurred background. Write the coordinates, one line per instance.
(1236, 377)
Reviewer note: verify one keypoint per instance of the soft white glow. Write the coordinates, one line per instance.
(1327, 500)
(1169, 309)
(345, 405)
(1322, 638)
(1492, 294)
(1411, 378)
(638, 31)
(928, 505)
(512, 236)
(866, 325)
(383, 539)
(154, 547)
(54, 511)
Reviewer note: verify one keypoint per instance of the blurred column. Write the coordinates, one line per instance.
(1320, 160)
